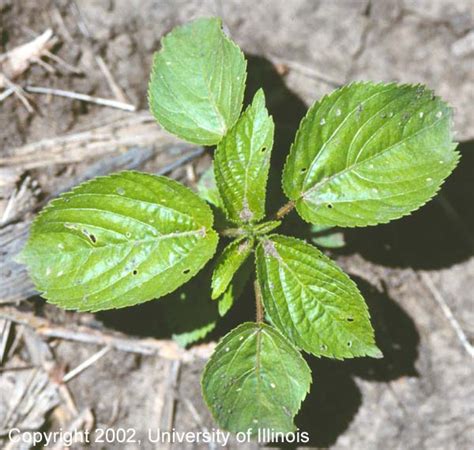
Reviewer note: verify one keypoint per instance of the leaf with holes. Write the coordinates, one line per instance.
(242, 161)
(117, 241)
(197, 83)
(255, 379)
(369, 153)
(312, 301)
(233, 256)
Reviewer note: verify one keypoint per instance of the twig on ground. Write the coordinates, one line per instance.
(163, 348)
(428, 282)
(58, 18)
(65, 65)
(19, 330)
(85, 364)
(171, 395)
(82, 97)
(18, 91)
(19, 399)
(13, 200)
(114, 87)
(306, 70)
(6, 93)
(66, 396)
(16, 61)
(115, 412)
(16, 368)
(179, 162)
(84, 420)
(5, 329)
(197, 418)
(48, 67)
(82, 25)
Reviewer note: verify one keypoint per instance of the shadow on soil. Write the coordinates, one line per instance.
(436, 236)
(334, 398)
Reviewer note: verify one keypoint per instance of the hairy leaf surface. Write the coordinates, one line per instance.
(119, 240)
(369, 153)
(233, 256)
(242, 161)
(197, 82)
(255, 379)
(312, 301)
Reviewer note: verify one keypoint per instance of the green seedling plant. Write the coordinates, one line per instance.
(363, 155)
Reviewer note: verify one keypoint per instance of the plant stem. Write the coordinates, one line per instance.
(284, 210)
(258, 302)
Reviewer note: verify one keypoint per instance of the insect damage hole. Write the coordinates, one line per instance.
(135, 272)
(350, 319)
(186, 271)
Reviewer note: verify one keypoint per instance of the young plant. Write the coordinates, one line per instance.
(364, 155)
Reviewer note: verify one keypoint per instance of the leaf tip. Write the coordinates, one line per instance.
(375, 352)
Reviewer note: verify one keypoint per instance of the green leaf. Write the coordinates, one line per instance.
(119, 240)
(235, 288)
(226, 301)
(326, 237)
(310, 300)
(255, 379)
(197, 82)
(242, 161)
(190, 312)
(207, 188)
(266, 227)
(233, 256)
(369, 153)
(332, 240)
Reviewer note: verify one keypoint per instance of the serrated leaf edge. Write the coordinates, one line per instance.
(454, 164)
(20, 258)
(375, 354)
(224, 341)
(260, 91)
(153, 74)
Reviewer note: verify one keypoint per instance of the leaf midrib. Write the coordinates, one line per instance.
(336, 130)
(129, 243)
(371, 158)
(326, 308)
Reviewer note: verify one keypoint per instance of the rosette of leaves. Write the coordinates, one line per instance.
(366, 154)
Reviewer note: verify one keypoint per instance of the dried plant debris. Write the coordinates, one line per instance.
(26, 397)
(18, 60)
